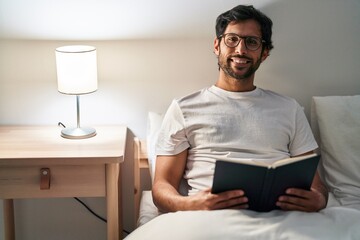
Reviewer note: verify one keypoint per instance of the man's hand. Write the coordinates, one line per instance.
(205, 200)
(302, 200)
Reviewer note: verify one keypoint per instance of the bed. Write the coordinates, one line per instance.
(335, 121)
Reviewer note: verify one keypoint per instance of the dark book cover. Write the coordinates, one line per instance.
(263, 184)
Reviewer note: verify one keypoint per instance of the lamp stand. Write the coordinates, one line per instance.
(78, 132)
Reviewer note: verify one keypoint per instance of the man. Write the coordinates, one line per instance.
(234, 119)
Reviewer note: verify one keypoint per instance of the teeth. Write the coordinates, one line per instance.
(240, 61)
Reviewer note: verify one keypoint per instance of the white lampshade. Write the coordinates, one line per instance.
(76, 69)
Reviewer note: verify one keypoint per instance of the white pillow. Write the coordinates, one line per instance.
(336, 124)
(153, 127)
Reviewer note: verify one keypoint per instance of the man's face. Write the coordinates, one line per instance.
(239, 62)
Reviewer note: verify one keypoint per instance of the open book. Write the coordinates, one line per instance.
(263, 183)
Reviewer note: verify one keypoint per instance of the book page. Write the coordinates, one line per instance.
(281, 162)
(291, 160)
(263, 163)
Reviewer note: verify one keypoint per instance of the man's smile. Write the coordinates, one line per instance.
(240, 60)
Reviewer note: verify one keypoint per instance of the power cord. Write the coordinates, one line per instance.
(60, 124)
(95, 214)
(90, 210)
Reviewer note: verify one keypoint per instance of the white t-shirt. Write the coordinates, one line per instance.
(217, 124)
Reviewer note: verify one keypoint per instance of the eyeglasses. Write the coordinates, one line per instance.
(232, 40)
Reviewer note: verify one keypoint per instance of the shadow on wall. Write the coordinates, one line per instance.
(315, 49)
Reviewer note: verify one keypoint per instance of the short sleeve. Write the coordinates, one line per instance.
(172, 136)
(303, 139)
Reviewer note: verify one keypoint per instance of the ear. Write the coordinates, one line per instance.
(217, 46)
(265, 54)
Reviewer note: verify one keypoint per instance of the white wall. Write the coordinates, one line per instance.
(316, 53)
(134, 77)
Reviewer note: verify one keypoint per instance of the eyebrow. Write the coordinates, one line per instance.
(242, 35)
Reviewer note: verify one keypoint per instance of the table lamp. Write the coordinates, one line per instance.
(76, 75)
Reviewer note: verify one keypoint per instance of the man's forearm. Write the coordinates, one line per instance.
(167, 198)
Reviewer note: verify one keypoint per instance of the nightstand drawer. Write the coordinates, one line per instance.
(64, 181)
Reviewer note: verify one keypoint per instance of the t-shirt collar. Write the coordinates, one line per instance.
(236, 95)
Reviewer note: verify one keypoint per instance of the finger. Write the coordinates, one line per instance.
(239, 203)
(293, 200)
(301, 193)
(224, 196)
(302, 200)
(290, 207)
(303, 197)
(226, 199)
(233, 193)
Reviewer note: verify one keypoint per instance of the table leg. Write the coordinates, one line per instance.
(9, 220)
(113, 199)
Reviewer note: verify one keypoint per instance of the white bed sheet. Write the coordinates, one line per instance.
(332, 223)
(335, 222)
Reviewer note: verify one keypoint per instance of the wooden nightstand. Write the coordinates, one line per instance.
(36, 162)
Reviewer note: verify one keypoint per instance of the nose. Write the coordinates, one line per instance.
(241, 48)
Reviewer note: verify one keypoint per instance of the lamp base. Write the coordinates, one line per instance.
(78, 133)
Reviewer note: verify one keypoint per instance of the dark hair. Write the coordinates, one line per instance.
(240, 13)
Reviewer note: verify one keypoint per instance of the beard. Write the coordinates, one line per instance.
(225, 64)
